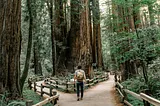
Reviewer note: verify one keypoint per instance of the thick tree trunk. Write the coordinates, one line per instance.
(136, 14)
(80, 44)
(74, 33)
(151, 13)
(10, 41)
(37, 63)
(50, 8)
(85, 46)
(120, 19)
(131, 20)
(60, 32)
(29, 48)
(91, 32)
(97, 33)
(114, 26)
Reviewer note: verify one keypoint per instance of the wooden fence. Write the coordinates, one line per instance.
(42, 89)
(51, 83)
(89, 82)
(146, 99)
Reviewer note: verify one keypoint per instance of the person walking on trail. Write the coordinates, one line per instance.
(80, 78)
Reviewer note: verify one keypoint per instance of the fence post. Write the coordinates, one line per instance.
(35, 87)
(50, 91)
(29, 83)
(29, 102)
(41, 89)
(146, 103)
(115, 77)
(125, 95)
(56, 84)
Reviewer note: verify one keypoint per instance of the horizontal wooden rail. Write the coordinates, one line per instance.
(137, 96)
(119, 85)
(120, 93)
(127, 103)
(50, 83)
(47, 100)
(142, 97)
(151, 100)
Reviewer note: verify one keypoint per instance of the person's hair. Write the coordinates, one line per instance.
(79, 67)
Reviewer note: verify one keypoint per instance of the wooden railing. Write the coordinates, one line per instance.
(51, 99)
(146, 99)
(42, 89)
(89, 82)
(51, 83)
(65, 84)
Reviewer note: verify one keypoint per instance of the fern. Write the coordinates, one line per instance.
(16, 103)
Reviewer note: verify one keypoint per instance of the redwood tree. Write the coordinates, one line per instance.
(10, 42)
(50, 10)
(79, 39)
(97, 46)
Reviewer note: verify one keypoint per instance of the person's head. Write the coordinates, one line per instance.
(79, 67)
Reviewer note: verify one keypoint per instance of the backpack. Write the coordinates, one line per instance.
(79, 76)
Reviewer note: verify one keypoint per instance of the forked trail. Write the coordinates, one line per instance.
(103, 94)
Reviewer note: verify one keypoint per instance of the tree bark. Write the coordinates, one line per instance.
(60, 32)
(29, 48)
(50, 8)
(136, 14)
(37, 63)
(151, 13)
(97, 33)
(80, 45)
(10, 47)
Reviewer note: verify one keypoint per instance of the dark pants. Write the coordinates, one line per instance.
(80, 86)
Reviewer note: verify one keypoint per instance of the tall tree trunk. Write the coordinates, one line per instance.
(37, 63)
(10, 42)
(97, 32)
(80, 37)
(136, 14)
(50, 8)
(120, 19)
(61, 31)
(91, 31)
(29, 48)
(131, 20)
(151, 13)
(74, 32)
(114, 17)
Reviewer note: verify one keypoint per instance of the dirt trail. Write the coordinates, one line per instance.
(103, 94)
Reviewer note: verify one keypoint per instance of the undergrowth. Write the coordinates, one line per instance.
(137, 84)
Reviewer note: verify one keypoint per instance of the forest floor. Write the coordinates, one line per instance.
(103, 94)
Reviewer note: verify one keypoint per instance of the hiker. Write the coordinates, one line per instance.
(80, 78)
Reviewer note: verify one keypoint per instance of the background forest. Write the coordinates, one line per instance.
(54, 36)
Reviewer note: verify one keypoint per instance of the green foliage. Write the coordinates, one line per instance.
(137, 84)
(31, 95)
(16, 103)
(27, 94)
(134, 101)
(142, 45)
(4, 101)
(3, 98)
(154, 78)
